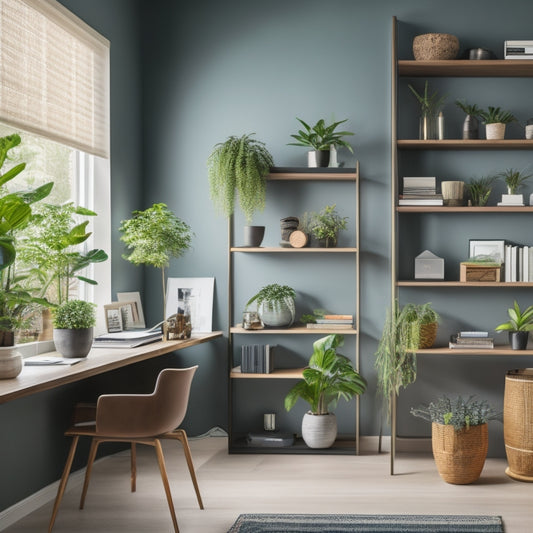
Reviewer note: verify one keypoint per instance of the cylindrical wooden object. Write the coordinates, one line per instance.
(518, 423)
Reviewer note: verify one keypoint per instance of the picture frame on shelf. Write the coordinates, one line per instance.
(487, 247)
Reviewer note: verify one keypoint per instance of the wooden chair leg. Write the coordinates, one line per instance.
(163, 470)
(133, 458)
(92, 454)
(181, 435)
(63, 482)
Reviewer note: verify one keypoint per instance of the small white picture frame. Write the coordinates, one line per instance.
(136, 298)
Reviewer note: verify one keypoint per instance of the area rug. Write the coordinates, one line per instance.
(352, 523)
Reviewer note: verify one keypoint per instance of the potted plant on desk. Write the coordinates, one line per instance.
(73, 327)
(329, 377)
(519, 325)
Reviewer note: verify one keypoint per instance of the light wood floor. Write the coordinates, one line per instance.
(234, 484)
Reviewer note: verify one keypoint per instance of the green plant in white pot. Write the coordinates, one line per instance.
(73, 327)
(329, 377)
(514, 179)
(275, 305)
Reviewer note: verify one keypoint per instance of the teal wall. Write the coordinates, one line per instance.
(186, 76)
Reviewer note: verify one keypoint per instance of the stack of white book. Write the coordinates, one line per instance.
(518, 263)
(420, 191)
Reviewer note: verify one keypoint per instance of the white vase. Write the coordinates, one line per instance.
(319, 431)
(11, 362)
(495, 131)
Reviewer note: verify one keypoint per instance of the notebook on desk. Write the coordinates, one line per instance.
(51, 360)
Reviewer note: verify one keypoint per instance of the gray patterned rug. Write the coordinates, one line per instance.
(350, 523)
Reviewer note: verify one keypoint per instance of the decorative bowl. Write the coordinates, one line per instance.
(435, 46)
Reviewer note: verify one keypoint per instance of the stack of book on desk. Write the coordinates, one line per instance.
(420, 191)
(465, 340)
(128, 339)
(333, 322)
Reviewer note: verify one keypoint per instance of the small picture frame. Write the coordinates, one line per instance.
(134, 297)
(487, 248)
(113, 319)
(121, 316)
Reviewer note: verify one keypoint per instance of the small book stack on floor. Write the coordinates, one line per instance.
(333, 322)
(257, 359)
(476, 340)
(420, 191)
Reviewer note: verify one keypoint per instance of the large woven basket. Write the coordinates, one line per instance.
(459, 454)
(518, 423)
(428, 334)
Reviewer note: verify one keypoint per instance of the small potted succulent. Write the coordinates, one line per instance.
(323, 226)
(479, 190)
(320, 138)
(519, 325)
(459, 436)
(495, 120)
(275, 305)
(73, 322)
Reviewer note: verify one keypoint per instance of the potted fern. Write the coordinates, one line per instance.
(74, 321)
(495, 120)
(237, 169)
(328, 377)
(275, 305)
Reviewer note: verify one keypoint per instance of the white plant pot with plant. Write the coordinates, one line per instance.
(514, 179)
(329, 377)
(275, 305)
(73, 327)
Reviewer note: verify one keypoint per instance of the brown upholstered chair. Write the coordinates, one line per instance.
(138, 419)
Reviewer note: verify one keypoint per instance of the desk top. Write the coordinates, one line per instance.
(35, 379)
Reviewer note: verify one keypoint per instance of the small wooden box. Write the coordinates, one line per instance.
(477, 272)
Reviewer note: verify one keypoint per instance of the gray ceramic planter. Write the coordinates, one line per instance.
(73, 342)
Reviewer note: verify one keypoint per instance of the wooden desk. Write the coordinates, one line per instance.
(34, 379)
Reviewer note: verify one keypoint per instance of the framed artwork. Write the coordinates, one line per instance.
(135, 298)
(200, 294)
(487, 248)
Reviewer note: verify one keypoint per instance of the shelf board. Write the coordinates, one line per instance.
(295, 330)
(340, 447)
(465, 144)
(273, 249)
(463, 209)
(312, 174)
(468, 68)
(465, 284)
(278, 373)
(497, 350)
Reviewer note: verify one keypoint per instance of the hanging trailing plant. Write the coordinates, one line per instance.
(238, 168)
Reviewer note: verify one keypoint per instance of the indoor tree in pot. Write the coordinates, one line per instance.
(275, 305)
(519, 326)
(153, 237)
(459, 436)
(329, 377)
(495, 120)
(74, 321)
(237, 168)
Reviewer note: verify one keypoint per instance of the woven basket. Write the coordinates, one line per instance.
(459, 455)
(428, 334)
(518, 423)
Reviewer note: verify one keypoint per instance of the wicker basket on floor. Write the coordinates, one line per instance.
(428, 334)
(459, 454)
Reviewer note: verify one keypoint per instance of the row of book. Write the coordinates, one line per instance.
(518, 263)
(420, 191)
(332, 322)
(257, 358)
(475, 340)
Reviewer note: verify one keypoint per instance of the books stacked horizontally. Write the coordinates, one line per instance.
(472, 340)
(128, 339)
(333, 322)
(257, 359)
(420, 191)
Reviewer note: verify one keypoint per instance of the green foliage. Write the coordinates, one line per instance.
(495, 115)
(324, 224)
(514, 179)
(74, 314)
(430, 104)
(311, 318)
(320, 136)
(273, 296)
(396, 354)
(480, 189)
(328, 378)
(238, 167)
(458, 412)
(470, 109)
(519, 321)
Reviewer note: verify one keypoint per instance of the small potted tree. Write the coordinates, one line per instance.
(153, 237)
(459, 436)
(495, 120)
(519, 325)
(74, 321)
(320, 138)
(329, 377)
(275, 305)
(237, 168)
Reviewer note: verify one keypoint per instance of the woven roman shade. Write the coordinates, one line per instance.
(54, 75)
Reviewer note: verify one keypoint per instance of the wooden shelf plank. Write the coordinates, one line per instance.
(312, 174)
(278, 373)
(497, 350)
(465, 284)
(465, 144)
(295, 330)
(521, 68)
(272, 249)
(341, 446)
(463, 209)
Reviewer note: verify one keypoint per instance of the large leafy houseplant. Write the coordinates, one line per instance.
(154, 236)
(320, 136)
(237, 168)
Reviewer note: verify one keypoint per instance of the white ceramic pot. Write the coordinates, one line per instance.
(11, 362)
(495, 131)
(319, 431)
(281, 316)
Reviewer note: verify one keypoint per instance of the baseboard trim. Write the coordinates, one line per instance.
(370, 444)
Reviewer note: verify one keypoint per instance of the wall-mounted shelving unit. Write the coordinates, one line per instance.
(305, 177)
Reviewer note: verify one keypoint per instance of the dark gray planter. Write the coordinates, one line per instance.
(73, 342)
(253, 236)
(518, 339)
